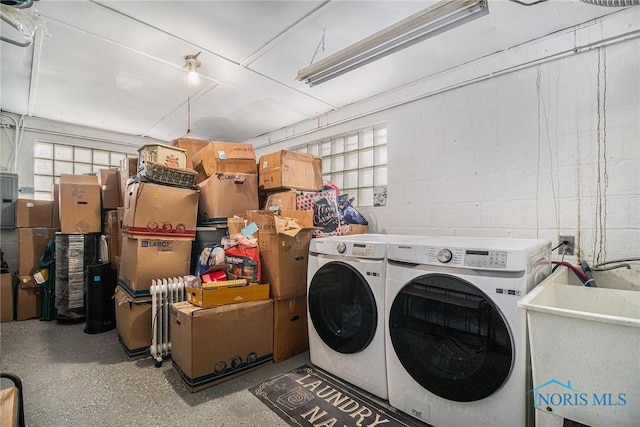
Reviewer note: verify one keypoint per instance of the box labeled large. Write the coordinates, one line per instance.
(290, 334)
(290, 169)
(211, 345)
(143, 260)
(161, 154)
(33, 242)
(191, 145)
(79, 204)
(34, 213)
(6, 297)
(223, 293)
(220, 156)
(224, 195)
(133, 321)
(109, 181)
(160, 212)
(29, 298)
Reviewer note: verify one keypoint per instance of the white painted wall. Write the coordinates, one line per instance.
(18, 157)
(547, 149)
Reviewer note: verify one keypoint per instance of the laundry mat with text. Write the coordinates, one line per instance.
(307, 397)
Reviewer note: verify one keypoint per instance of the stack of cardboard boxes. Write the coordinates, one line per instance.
(158, 227)
(37, 224)
(284, 253)
(227, 330)
(79, 199)
(227, 179)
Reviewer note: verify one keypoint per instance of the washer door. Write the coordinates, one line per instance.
(451, 338)
(342, 308)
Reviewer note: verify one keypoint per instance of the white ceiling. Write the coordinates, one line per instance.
(118, 65)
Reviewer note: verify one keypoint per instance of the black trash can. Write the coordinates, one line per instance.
(101, 286)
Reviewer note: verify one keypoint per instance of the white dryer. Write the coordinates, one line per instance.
(345, 301)
(456, 341)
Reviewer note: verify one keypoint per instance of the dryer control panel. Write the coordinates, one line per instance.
(345, 248)
(362, 249)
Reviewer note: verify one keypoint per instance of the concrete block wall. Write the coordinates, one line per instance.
(541, 151)
(548, 150)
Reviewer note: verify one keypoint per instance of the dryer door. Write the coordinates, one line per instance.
(451, 338)
(342, 307)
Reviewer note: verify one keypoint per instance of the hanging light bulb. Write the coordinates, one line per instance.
(193, 76)
(192, 64)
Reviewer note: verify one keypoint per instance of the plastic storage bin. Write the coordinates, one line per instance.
(585, 345)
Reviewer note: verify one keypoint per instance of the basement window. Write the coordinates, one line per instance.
(52, 159)
(356, 163)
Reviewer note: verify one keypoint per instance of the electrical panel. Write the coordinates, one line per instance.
(9, 190)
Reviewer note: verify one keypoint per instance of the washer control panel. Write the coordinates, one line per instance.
(363, 249)
(457, 257)
(486, 259)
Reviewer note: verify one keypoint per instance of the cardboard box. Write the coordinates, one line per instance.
(34, 213)
(143, 260)
(80, 204)
(225, 195)
(271, 222)
(191, 146)
(112, 231)
(282, 201)
(218, 156)
(6, 297)
(133, 321)
(120, 211)
(290, 169)
(284, 251)
(29, 298)
(128, 168)
(10, 402)
(351, 229)
(109, 181)
(227, 294)
(56, 207)
(212, 345)
(161, 154)
(33, 242)
(290, 333)
(236, 224)
(284, 263)
(159, 211)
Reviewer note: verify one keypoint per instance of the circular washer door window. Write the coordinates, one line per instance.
(451, 338)
(342, 308)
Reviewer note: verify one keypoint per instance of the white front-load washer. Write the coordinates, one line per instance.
(456, 341)
(345, 305)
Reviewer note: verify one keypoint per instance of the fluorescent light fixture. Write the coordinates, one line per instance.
(427, 23)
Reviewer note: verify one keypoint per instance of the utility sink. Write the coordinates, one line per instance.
(585, 347)
(616, 299)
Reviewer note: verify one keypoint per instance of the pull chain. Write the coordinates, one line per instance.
(321, 43)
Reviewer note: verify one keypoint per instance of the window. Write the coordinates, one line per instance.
(51, 160)
(356, 163)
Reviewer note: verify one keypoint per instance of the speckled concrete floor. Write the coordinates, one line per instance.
(76, 379)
